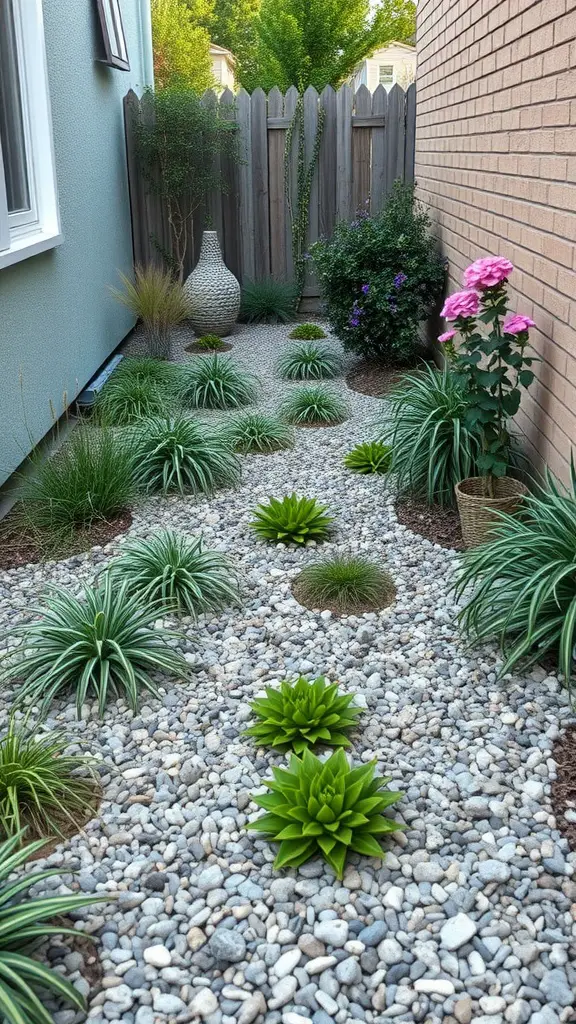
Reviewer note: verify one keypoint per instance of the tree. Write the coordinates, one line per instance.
(182, 44)
(232, 25)
(320, 42)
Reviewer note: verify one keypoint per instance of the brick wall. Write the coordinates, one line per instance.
(496, 163)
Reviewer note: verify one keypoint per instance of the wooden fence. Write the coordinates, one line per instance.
(367, 143)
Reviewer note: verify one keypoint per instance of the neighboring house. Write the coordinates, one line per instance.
(394, 64)
(223, 67)
(64, 211)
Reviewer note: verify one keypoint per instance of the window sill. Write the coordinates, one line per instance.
(31, 245)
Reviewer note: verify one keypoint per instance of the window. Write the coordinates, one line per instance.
(386, 74)
(29, 220)
(113, 34)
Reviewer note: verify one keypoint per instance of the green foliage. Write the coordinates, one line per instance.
(298, 192)
(176, 149)
(326, 809)
(41, 789)
(308, 362)
(258, 433)
(173, 571)
(210, 342)
(232, 26)
(158, 301)
(321, 42)
(307, 332)
(292, 520)
(181, 455)
(136, 389)
(268, 301)
(379, 277)
(90, 478)
(216, 382)
(181, 44)
(25, 980)
(314, 405)
(103, 643)
(432, 448)
(524, 580)
(345, 583)
(299, 715)
(369, 457)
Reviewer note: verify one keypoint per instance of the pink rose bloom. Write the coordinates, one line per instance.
(463, 304)
(487, 272)
(516, 324)
(447, 336)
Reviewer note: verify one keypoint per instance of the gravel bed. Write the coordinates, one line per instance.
(472, 915)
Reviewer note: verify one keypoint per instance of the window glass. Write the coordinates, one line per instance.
(11, 120)
(386, 76)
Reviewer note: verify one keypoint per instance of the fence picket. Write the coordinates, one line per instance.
(261, 211)
(361, 149)
(310, 131)
(378, 169)
(230, 211)
(410, 143)
(343, 152)
(327, 165)
(276, 140)
(245, 203)
(394, 137)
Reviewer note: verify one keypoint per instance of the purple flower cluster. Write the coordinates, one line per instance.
(357, 312)
(399, 280)
(365, 289)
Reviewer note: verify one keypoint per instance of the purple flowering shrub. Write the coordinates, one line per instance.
(380, 276)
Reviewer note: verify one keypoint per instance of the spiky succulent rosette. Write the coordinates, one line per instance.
(327, 809)
(299, 715)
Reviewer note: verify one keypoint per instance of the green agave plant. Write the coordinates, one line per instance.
(307, 332)
(25, 980)
(370, 457)
(308, 362)
(301, 714)
(292, 520)
(327, 809)
(257, 433)
(215, 382)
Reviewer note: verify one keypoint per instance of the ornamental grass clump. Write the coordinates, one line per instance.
(292, 520)
(138, 388)
(216, 382)
(308, 362)
(346, 584)
(327, 809)
(257, 433)
(307, 332)
(24, 979)
(369, 457)
(174, 572)
(523, 581)
(268, 301)
(302, 714)
(314, 405)
(100, 645)
(158, 301)
(179, 455)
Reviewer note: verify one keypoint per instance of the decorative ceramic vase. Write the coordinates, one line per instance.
(212, 292)
(478, 513)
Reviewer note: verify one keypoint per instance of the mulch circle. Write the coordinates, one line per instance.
(373, 379)
(19, 546)
(438, 523)
(195, 347)
(357, 609)
(563, 790)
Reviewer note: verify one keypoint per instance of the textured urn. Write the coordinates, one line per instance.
(212, 292)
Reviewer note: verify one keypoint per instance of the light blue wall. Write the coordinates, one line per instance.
(58, 322)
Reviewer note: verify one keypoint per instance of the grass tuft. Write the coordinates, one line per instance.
(314, 405)
(181, 455)
(308, 362)
(268, 302)
(346, 584)
(215, 382)
(307, 332)
(257, 433)
(136, 389)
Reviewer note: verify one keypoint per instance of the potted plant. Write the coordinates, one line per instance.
(495, 367)
(159, 303)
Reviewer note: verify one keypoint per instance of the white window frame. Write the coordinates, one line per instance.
(381, 68)
(24, 234)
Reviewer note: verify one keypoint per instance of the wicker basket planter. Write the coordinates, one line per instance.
(477, 512)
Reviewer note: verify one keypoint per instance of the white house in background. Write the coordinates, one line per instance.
(393, 64)
(223, 67)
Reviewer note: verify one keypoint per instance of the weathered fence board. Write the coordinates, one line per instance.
(367, 142)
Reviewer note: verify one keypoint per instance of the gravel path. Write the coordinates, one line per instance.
(472, 915)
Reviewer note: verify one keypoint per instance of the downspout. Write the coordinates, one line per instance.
(146, 42)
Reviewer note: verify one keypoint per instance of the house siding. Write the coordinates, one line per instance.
(58, 321)
(495, 162)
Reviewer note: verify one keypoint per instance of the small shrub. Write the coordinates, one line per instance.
(158, 301)
(308, 362)
(24, 979)
(380, 276)
(257, 432)
(100, 644)
(314, 405)
(138, 388)
(524, 581)
(217, 383)
(292, 520)
(345, 584)
(307, 332)
(210, 342)
(174, 571)
(268, 302)
(301, 714)
(326, 809)
(181, 455)
(370, 457)
(41, 789)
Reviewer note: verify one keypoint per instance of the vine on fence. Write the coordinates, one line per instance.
(299, 211)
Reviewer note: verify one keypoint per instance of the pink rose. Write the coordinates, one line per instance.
(487, 272)
(447, 336)
(463, 304)
(516, 324)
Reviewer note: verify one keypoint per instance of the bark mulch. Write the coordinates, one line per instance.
(437, 523)
(564, 786)
(373, 379)
(20, 546)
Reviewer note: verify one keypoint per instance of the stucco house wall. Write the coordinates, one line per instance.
(58, 322)
(496, 164)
